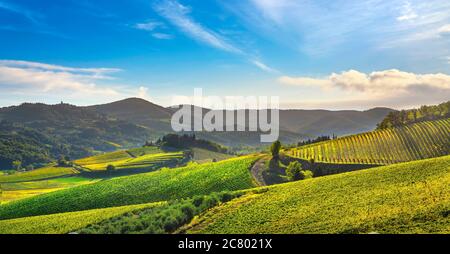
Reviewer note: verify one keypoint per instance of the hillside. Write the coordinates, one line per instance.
(38, 174)
(66, 222)
(166, 184)
(39, 133)
(406, 198)
(400, 144)
(36, 133)
(424, 113)
(294, 124)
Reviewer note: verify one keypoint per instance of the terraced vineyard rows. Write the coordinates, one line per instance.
(146, 157)
(38, 174)
(401, 144)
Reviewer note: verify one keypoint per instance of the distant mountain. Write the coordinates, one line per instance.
(138, 111)
(295, 124)
(63, 129)
(324, 122)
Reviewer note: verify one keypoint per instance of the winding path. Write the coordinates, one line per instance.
(256, 171)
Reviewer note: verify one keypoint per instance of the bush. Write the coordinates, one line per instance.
(306, 174)
(295, 172)
(110, 167)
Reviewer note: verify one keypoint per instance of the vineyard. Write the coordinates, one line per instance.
(411, 197)
(388, 146)
(38, 174)
(64, 223)
(165, 184)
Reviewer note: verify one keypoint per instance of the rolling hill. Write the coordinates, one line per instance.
(39, 133)
(294, 124)
(166, 184)
(393, 145)
(36, 133)
(66, 222)
(410, 197)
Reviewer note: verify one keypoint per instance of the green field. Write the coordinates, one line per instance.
(21, 190)
(148, 161)
(388, 146)
(166, 184)
(138, 158)
(411, 197)
(64, 223)
(38, 174)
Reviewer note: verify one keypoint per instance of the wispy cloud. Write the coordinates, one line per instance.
(407, 13)
(28, 14)
(179, 16)
(391, 87)
(153, 27)
(264, 67)
(47, 80)
(162, 36)
(148, 26)
(324, 27)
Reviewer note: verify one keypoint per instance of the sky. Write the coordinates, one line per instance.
(341, 54)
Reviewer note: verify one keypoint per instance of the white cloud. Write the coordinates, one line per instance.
(40, 80)
(389, 87)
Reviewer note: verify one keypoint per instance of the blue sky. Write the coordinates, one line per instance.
(339, 54)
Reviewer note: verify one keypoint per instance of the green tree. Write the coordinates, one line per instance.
(275, 149)
(17, 165)
(110, 167)
(294, 172)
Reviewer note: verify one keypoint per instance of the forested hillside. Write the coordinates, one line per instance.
(424, 113)
(33, 134)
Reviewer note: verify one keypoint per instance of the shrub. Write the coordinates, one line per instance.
(293, 171)
(110, 167)
(306, 174)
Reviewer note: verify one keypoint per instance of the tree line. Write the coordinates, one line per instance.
(424, 113)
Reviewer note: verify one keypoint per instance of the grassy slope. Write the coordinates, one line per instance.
(38, 174)
(411, 197)
(63, 223)
(161, 185)
(145, 157)
(401, 144)
(21, 190)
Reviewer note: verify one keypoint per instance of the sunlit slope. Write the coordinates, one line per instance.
(412, 142)
(63, 223)
(21, 190)
(38, 174)
(138, 158)
(167, 184)
(412, 197)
